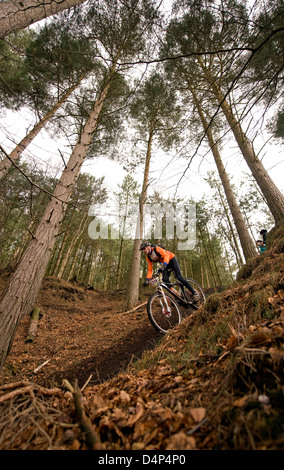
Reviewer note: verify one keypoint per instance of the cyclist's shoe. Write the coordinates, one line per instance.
(195, 297)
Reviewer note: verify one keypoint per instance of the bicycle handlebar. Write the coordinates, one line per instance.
(157, 274)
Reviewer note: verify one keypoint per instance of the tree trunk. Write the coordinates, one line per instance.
(23, 287)
(82, 262)
(19, 149)
(18, 14)
(274, 197)
(133, 286)
(247, 243)
(75, 238)
(213, 257)
(231, 232)
(92, 269)
(71, 274)
(54, 267)
(204, 246)
(119, 264)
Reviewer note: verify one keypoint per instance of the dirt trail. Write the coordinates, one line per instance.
(82, 333)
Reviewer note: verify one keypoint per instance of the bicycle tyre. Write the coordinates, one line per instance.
(158, 318)
(199, 289)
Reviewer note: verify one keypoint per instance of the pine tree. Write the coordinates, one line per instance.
(52, 67)
(122, 27)
(196, 35)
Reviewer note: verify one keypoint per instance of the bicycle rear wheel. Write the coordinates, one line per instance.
(202, 297)
(162, 316)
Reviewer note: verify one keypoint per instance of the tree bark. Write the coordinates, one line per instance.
(55, 262)
(23, 287)
(18, 14)
(213, 257)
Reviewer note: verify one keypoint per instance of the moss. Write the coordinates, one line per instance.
(213, 303)
(206, 340)
(260, 304)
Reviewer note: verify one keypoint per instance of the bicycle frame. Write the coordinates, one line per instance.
(161, 285)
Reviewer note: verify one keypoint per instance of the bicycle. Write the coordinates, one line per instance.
(163, 307)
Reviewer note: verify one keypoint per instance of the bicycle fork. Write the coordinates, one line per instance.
(164, 304)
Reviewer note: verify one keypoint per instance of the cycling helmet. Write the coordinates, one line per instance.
(144, 244)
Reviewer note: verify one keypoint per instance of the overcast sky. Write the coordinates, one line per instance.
(169, 173)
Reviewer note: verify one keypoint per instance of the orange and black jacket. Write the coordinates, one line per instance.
(158, 255)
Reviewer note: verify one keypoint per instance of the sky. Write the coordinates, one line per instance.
(168, 172)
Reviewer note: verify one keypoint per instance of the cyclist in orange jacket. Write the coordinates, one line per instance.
(155, 253)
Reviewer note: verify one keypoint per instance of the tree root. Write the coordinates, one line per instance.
(20, 388)
(92, 437)
(30, 417)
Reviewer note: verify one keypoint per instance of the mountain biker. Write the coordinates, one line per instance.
(261, 244)
(155, 253)
(263, 232)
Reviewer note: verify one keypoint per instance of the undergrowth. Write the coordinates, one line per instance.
(236, 340)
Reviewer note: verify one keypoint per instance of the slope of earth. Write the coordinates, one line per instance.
(214, 383)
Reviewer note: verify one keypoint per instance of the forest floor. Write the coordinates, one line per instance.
(98, 377)
(81, 333)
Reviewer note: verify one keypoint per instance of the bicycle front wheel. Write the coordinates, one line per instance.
(164, 315)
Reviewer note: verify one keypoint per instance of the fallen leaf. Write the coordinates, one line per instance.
(275, 354)
(178, 379)
(141, 430)
(232, 342)
(278, 331)
(139, 412)
(117, 414)
(138, 446)
(241, 401)
(76, 445)
(198, 414)
(181, 441)
(252, 328)
(124, 396)
(141, 384)
(281, 293)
